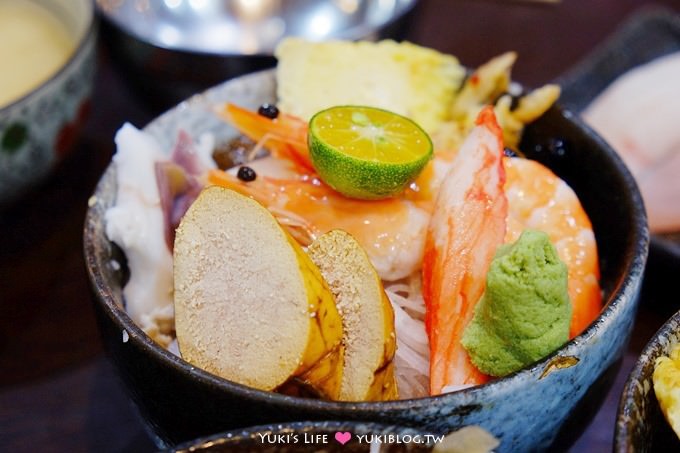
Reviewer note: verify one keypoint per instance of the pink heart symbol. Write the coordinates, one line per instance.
(343, 438)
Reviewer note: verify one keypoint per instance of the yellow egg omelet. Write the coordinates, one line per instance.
(666, 379)
(404, 78)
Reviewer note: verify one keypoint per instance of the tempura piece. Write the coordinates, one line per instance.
(491, 83)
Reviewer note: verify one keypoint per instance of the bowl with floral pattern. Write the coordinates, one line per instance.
(40, 118)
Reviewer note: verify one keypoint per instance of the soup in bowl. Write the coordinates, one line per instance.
(45, 90)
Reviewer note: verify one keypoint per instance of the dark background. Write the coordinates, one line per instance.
(57, 390)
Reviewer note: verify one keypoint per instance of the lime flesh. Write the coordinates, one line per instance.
(365, 152)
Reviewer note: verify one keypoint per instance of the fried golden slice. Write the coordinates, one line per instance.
(250, 305)
(367, 316)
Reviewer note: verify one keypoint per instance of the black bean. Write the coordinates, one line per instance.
(268, 111)
(246, 174)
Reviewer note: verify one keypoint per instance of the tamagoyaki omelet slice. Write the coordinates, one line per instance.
(405, 78)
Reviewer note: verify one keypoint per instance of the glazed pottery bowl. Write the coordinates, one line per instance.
(38, 129)
(640, 425)
(547, 403)
(327, 436)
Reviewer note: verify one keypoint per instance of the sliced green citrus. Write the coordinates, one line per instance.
(366, 152)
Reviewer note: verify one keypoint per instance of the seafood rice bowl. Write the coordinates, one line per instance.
(253, 249)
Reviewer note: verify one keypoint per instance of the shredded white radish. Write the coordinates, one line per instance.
(412, 359)
(411, 331)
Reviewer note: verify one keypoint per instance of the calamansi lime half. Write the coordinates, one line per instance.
(366, 152)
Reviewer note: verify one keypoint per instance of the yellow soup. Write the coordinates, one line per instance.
(33, 46)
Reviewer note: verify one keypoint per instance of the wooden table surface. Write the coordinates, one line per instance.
(58, 392)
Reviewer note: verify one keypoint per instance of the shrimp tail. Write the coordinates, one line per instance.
(467, 226)
(284, 136)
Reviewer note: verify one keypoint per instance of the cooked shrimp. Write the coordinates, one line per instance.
(540, 200)
(285, 136)
(467, 225)
(392, 231)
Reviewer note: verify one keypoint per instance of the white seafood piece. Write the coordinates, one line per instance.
(135, 223)
(638, 116)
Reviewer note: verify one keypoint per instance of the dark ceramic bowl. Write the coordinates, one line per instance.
(312, 437)
(538, 407)
(640, 425)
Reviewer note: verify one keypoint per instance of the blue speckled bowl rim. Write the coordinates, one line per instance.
(622, 294)
(90, 33)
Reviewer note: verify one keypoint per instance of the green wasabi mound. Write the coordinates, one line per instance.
(525, 311)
